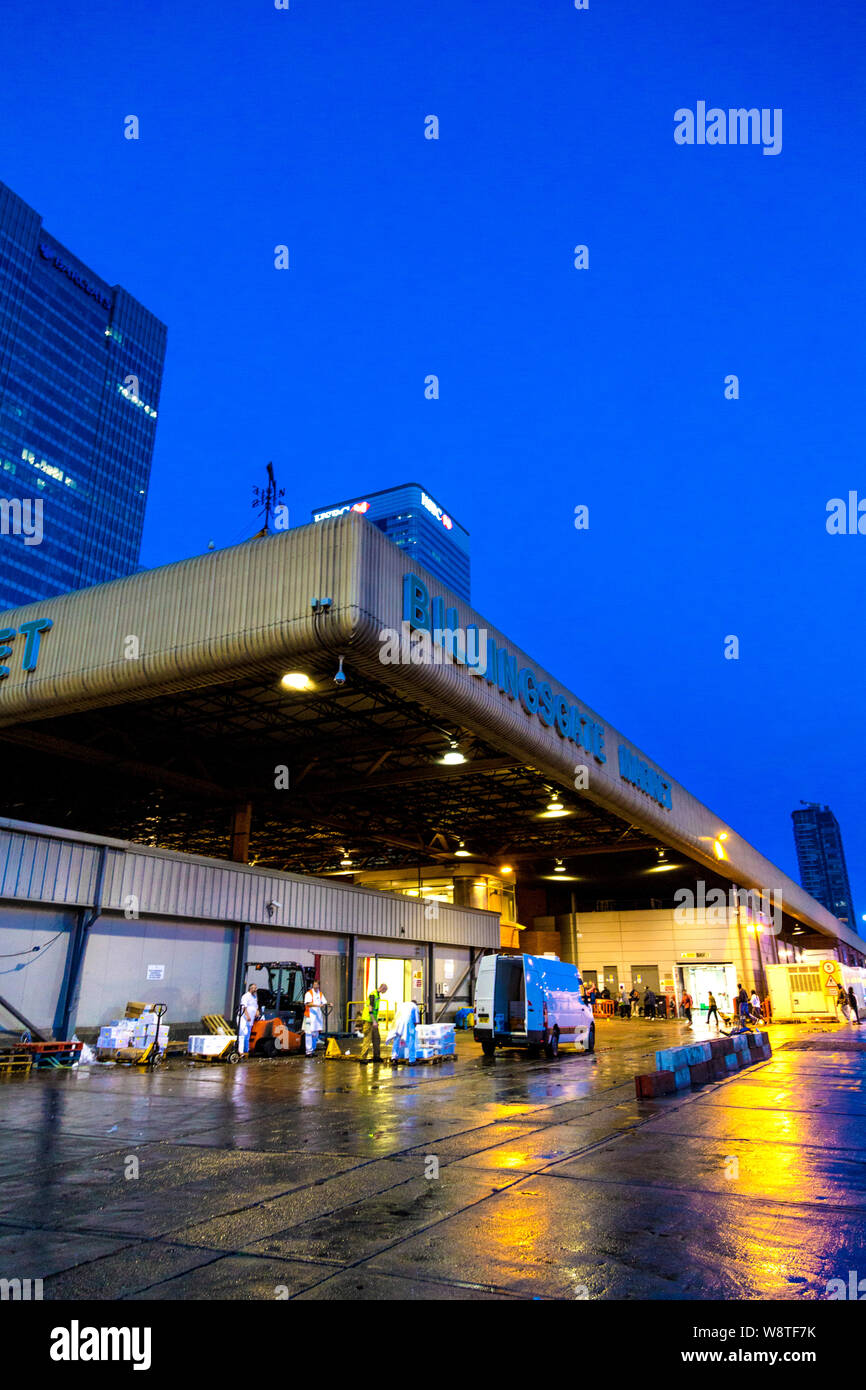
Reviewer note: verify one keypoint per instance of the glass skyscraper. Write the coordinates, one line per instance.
(823, 871)
(412, 519)
(80, 376)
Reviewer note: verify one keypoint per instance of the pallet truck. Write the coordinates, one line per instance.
(218, 1027)
(150, 1055)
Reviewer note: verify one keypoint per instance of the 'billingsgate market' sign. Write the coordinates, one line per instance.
(431, 633)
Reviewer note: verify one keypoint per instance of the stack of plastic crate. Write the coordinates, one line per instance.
(434, 1040)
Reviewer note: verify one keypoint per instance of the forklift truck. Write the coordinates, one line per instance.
(278, 1030)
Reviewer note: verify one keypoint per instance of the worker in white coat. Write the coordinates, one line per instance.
(249, 1012)
(314, 1019)
(403, 1032)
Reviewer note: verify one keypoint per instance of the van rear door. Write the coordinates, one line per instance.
(484, 990)
(509, 1004)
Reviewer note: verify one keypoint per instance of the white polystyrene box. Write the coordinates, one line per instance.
(208, 1044)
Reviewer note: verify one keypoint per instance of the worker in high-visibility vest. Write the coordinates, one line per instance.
(370, 1020)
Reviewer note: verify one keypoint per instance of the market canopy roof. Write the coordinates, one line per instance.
(153, 708)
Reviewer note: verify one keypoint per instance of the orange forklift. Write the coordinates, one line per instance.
(277, 1030)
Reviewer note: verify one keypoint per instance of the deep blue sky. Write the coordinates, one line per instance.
(558, 387)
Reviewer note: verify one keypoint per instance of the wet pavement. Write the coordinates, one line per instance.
(511, 1178)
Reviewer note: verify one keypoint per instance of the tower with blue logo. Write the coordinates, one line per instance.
(428, 535)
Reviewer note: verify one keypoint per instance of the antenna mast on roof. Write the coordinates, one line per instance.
(265, 500)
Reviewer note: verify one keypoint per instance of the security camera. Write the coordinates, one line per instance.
(340, 677)
(273, 907)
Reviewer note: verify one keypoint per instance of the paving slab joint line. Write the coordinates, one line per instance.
(807, 1208)
(411, 1235)
(205, 1264)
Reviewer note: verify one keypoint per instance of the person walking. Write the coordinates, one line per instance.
(370, 1047)
(852, 1001)
(842, 1004)
(248, 1013)
(712, 1009)
(687, 1006)
(742, 1002)
(314, 1019)
(649, 1004)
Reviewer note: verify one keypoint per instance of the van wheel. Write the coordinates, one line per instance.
(590, 1038)
(551, 1047)
(489, 1049)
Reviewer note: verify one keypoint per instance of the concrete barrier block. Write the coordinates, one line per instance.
(720, 1047)
(741, 1042)
(697, 1052)
(682, 1078)
(731, 1062)
(718, 1069)
(653, 1084)
(700, 1073)
(667, 1059)
(745, 1059)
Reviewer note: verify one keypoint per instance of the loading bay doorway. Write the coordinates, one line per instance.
(721, 979)
(404, 978)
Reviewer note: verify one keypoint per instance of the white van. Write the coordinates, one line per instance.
(531, 1002)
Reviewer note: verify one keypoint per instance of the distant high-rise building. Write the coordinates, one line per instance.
(80, 375)
(821, 857)
(410, 518)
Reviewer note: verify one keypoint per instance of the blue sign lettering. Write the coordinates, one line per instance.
(31, 631)
(633, 769)
(516, 683)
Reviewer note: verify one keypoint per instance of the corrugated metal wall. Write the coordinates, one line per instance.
(37, 868)
(182, 913)
(39, 864)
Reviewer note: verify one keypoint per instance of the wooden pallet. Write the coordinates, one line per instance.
(424, 1061)
(215, 1023)
(397, 1061)
(14, 1062)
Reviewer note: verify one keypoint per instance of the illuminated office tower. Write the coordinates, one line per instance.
(80, 375)
(427, 534)
(821, 856)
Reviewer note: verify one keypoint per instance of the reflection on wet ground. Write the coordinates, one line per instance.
(474, 1179)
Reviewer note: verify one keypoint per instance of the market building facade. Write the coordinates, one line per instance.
(304, 720)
